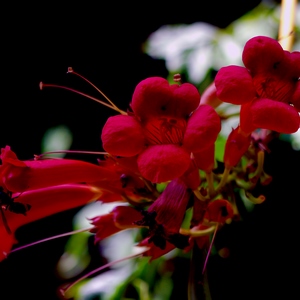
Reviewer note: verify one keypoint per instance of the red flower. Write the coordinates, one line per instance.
(120, 218)
(219, 211)
(236, 145)
(165, 216)
(19, 176)
(43, 202)
(206, 216)
(267, 88)
(165, 128)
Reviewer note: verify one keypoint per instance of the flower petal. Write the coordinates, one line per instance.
(261, 53)
(160, 163)
(171, 205)
(296, 96)
(154, 97)
(51, 172)
(202, 129)
(236, 145)
(273, 115)
(234, 85)
(122, 135)
(205, 160)
(44, 202)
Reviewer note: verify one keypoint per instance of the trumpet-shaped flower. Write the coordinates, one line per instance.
(120, 218)
(267, 88)
(44, 202)
(19, 176)
(165, 216)
(166, 126)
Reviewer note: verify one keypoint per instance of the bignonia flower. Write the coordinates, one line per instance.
(267, 88)
(165, 128)
(163, 219)
(19, 176)
(42, 202)
(39, 188)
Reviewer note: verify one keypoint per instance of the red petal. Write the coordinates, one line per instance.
(205, 160)
(273, 115)
(295, 99)
(261, 53)
(202, 129)
(50, 172)
(104, 226)
(8, 156)
(155, 97)
(234, 85)
(236, 145)
(219, 210)
(171, 205)
(191, 177)
(45, 202)
(122, 136)
(125, 216)
(160, 163)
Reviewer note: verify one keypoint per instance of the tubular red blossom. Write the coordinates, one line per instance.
(220, 211)
(171, 206)
(127, 183)
(236, 145)
(172, 128)
(120, 218)
(267, 88)
(44, 202)
(18, 176)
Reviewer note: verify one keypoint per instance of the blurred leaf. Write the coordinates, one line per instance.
(220, 148)
(57, 138)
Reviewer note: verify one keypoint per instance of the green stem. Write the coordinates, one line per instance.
(198, 287)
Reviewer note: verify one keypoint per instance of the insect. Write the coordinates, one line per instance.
(7, 202)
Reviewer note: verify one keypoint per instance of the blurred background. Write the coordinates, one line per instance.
(105, 42)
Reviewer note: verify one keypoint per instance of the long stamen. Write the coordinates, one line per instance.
(50, 238)
(71, 71)
(42, 85)
(209, 249)
(63, 291)
(37, 157)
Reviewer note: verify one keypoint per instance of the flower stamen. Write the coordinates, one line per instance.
(37, 157)
(42, 85)
(71, 71)
(63, 291)
(50, 238)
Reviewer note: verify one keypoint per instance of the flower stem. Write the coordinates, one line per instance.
(198, 287)
(287, 24)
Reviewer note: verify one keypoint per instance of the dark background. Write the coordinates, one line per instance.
(103, 42)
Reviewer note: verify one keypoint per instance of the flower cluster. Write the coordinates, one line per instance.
(167, 137)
